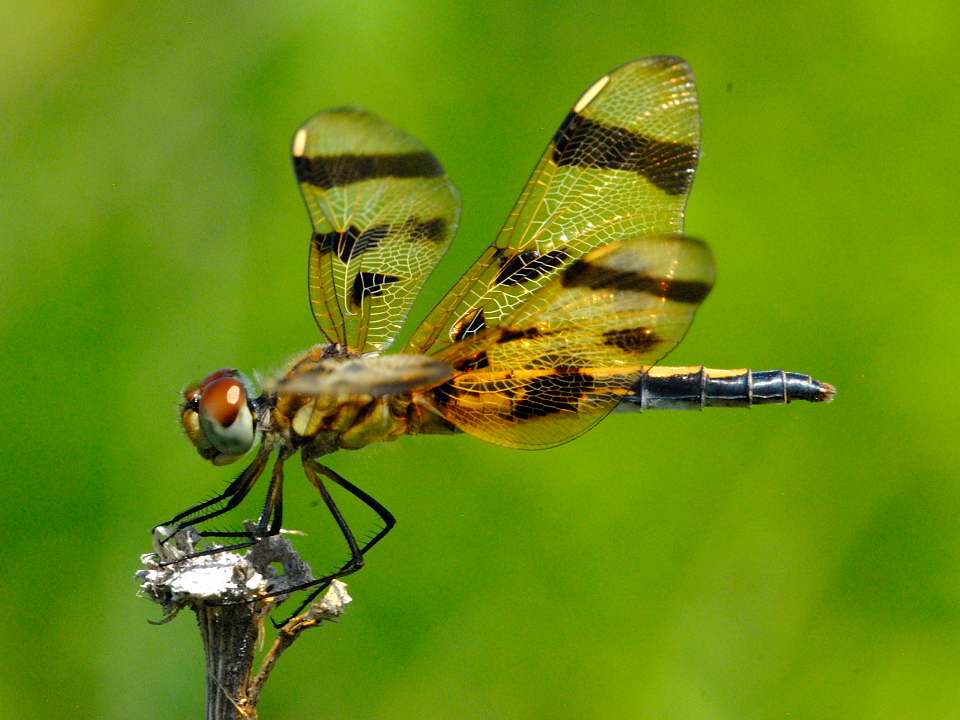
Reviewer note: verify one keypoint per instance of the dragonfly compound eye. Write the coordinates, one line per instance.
(225, 417)
(218, 418)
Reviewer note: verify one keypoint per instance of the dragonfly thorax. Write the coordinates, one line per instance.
(348, 400)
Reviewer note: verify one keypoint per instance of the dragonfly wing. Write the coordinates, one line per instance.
(620, 166)
(565, 358)
(370, 376)
(383, 214)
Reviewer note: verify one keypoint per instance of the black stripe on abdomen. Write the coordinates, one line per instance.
(584, 142)
(327, 171)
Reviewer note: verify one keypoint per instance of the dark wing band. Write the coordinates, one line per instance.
(620, 166)
(383, 214)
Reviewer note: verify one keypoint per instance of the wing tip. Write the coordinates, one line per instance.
(664, 60)
(659, 62)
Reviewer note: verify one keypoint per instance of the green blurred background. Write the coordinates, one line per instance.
(798, 562)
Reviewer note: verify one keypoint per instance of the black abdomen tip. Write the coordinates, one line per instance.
(804, 387)
(826, 392)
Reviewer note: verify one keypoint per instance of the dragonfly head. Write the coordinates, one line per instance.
(220, 417)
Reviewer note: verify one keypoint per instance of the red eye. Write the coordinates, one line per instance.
(217, 374)
(222, 400)
(217, 418)
(192, 393)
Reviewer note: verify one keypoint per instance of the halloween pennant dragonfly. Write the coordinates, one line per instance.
(562, 319)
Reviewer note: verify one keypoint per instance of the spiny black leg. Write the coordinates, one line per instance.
(277, 510)
(218, 534)
(311, 468)
(389, 521)
(264, 527)
(273, 505)
(242, 485)
(236, 486)
(234, 494)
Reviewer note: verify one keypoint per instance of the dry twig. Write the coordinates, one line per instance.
(227, 591)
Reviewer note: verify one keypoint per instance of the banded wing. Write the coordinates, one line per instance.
(620, 166)
(565, 358)
(383, 214)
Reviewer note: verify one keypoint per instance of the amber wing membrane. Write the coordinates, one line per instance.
(383, 214)
(620, 166)
(565, 358)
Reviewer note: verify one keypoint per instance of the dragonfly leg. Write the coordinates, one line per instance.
(313, 472)
(234, 494)
(270, 517)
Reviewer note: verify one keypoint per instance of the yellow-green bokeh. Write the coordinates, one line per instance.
(798, 562)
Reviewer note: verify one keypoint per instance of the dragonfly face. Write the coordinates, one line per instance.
(562, 319)
(220, 417)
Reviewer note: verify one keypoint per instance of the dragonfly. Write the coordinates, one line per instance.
(560, 321)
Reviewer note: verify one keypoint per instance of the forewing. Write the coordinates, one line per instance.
(383, 214)
(563, 360)
(619, 166)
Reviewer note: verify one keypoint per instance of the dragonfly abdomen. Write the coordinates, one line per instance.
(694, 388)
